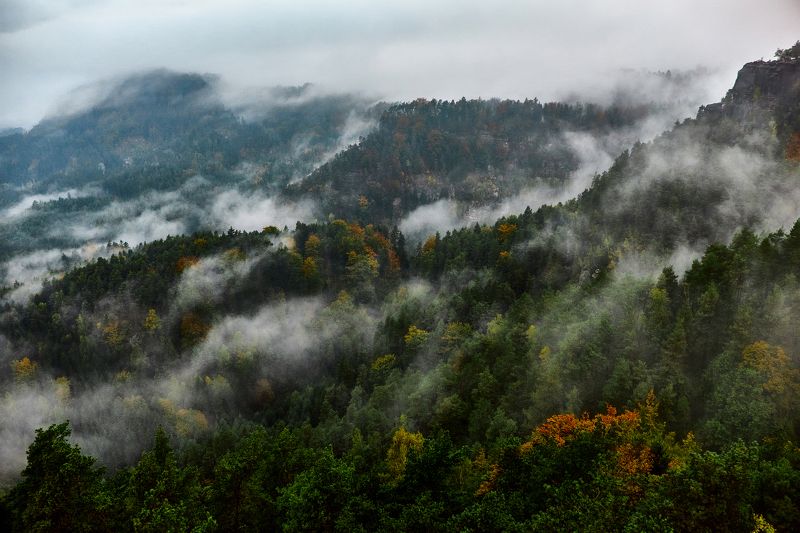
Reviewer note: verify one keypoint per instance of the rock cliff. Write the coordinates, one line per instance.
(761, 89)
(768, 82)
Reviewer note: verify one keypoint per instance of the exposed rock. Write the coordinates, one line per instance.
(761, 88)
(765, 82)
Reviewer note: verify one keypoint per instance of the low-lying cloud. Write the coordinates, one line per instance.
(114, 419)
(197, 205)
(27, 202)
(253, 212)
(400, 51)
(26, 272)
(594, 152)
(208, 280)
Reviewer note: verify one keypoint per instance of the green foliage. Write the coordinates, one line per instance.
(789, 54)
(317, 495)
(165, 497)
(61, 489)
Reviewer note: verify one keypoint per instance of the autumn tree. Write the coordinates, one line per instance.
(151, 321)
(24, 369)
(415, 337)
(403, 442)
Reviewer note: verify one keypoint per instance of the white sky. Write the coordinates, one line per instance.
(397, 50)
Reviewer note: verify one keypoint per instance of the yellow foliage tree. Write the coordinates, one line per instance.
(761, 525)
(455, 333)
(113, 334)
(383, 361)
(403, 441)
(234, 254)
(309, 268)
(190, 422)
(505, 231)
(24, 369)
(773, 363)
(313, 246)
(415, 337)
(544, 354)
(151, 321)
(781, 380)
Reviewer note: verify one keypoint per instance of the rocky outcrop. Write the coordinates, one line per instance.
(766, 82)
(760, 88)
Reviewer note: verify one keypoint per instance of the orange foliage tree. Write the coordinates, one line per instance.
(193, 328)
(793, 148)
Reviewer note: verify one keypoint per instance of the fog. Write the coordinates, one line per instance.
(28, 201)
(197, 205)
(594, 153)
(113, 419)
(400, 51)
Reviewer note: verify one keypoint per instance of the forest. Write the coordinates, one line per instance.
(624, 360)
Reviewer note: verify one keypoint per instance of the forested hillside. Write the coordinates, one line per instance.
(625, 360)
(474, 152)
(164, 124)
(163, 153)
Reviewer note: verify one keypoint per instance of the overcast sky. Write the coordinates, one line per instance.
(396, 50)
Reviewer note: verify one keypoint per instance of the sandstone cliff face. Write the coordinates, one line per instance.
(761, 88)
(766, 82)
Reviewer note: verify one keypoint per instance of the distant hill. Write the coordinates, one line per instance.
(477, 152)
(174, 125)
(97, 168)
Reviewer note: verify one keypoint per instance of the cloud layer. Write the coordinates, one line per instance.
(402, 50)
